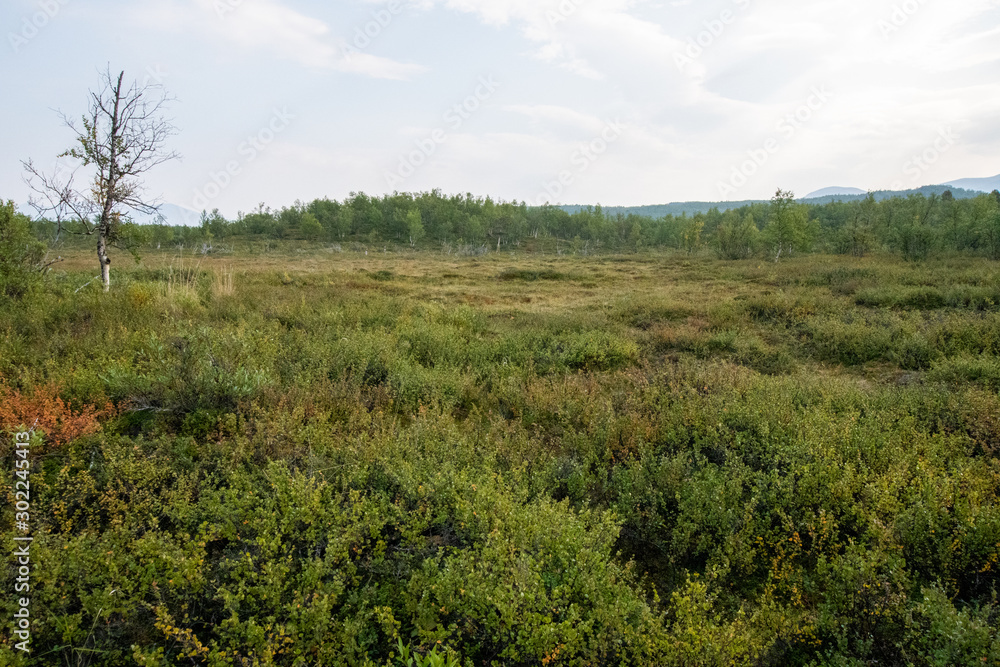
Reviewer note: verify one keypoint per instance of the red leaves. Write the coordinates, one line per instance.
(45, 410)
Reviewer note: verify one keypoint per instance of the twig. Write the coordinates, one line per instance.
(82, 286)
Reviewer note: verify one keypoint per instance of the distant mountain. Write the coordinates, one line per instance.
(957, 190)
(834, 191)
(694, 207)
(926, 191)
(173, 215)
(660, 210)
(978, 184)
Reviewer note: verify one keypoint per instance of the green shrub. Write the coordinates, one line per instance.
(851, 342)
(755, 354)
(647, 313)
(20, 254)
(410, 658)
(530, 275)
(919, 298)
(595, 351)
(913, 353)
(965, 297)
(983, 370)
(940, 635)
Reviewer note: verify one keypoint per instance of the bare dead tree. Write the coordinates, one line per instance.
(122, 136)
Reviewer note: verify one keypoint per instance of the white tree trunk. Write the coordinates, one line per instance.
(102, 257)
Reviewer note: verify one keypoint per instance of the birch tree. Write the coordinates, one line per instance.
(787, 224)
(120, 138)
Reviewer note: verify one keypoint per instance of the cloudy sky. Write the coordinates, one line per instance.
(621, 102)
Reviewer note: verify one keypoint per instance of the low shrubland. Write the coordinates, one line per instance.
(423, 459)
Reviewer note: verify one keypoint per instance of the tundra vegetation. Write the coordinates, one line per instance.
(357, 446)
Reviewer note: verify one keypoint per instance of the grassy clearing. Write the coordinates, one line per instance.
(308, 457)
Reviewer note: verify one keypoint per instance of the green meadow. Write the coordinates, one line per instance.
(298, 455)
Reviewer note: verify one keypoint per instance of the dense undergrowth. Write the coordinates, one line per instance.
(645, 460)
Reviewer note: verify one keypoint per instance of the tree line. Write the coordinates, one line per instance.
(914, 227)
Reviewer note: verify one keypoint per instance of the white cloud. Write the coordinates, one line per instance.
(561, 116)
(573, 34)
(270, 24)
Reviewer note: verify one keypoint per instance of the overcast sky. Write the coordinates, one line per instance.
(573, 101)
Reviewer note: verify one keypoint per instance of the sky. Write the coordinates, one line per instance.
(618, 102)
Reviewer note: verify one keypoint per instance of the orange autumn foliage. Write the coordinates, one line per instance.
(43, 409)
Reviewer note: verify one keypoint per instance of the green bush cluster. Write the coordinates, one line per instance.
(970, 297)
(21, 254)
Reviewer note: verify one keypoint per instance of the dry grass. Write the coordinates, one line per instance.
(223, 283)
